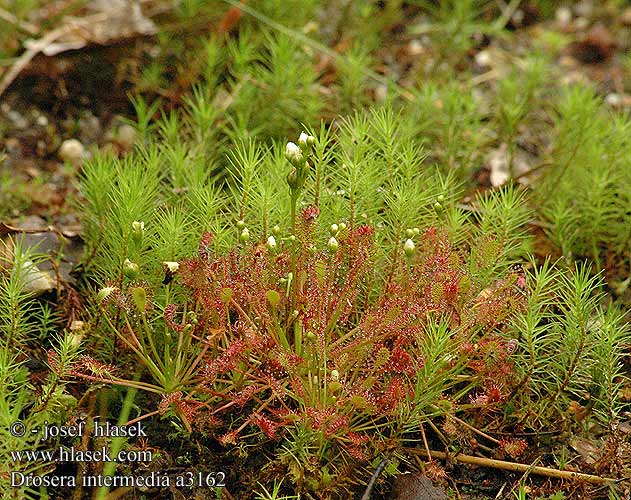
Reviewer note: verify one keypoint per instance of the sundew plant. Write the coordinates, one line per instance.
(320, 313)
(347, 245)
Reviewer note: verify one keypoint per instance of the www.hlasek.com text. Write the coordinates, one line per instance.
(71, 454)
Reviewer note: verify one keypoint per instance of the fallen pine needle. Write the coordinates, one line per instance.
(514, 466)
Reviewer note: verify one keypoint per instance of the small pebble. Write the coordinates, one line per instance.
(614, 100)
(72, 151)
(18, 120)
(381, 93)
(126, 137)
(483, 59)
(584, 8)
(563, 16)
(415, 48)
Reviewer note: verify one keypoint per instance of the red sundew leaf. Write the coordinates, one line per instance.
(395, 394)
(319, 416)
(167, 400)
(514, 447)
(230, 438)
(401, 362)
(310, 213)
(357, 452)
(188, 408)
(245, 395)
(336, 425)
(53, 360)
(169, 315)
(89, 365)
(268, 426)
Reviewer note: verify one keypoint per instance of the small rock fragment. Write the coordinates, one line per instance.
(126, 137)
(36, 281)
(18, 120)
(72, 151)
(563, 16)
(584, 8)
(90, 129)
(614, 100)
(498, 163)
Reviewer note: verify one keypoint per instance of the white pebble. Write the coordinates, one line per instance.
(72, 151)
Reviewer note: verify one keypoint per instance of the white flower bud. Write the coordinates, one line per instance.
(335, 375)
(334, 229)
(291, 149)
(333, 244)
(305, 141)
(172, 267)
(245, 235)
(271, 242)
(293, 154)
(409, 248)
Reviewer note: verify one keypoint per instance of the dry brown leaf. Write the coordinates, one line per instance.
(106, 21)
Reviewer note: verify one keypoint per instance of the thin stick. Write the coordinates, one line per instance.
(514, 466)
(507, 14)
(477, 431)
(539, 166)
(142, 417)
(373, 479)
(429, 454)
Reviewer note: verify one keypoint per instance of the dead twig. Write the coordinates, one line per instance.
(514, 466)
(374, 477)
(473, 429)
(7, 229)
